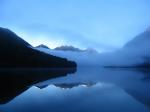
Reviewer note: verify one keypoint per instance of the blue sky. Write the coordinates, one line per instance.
(100, 24)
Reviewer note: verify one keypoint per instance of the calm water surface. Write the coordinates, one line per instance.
(87, 90)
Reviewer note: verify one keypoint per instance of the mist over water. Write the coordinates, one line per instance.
(74, 56)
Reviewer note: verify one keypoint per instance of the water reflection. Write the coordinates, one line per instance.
(88, 90)
(98, 98)
(14, 81)
(67, 85)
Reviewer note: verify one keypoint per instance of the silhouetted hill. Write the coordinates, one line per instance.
(16, 52)
(42, 46)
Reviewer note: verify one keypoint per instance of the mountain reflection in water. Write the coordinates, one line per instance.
(88, 90)
(15, 81)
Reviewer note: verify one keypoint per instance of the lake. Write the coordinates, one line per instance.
(86, 90)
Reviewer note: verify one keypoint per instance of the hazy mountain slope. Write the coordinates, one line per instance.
(140, 47)
(134, 54)
(141, 40)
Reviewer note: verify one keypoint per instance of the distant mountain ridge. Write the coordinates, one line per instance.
(42, 46)
(68, 48)
(74, 49)
(16, 52)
